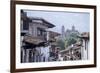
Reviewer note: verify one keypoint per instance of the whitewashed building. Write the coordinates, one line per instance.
(85, 46)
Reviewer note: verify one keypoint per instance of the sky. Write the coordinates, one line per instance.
(63, 18)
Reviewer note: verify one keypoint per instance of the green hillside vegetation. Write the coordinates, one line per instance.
(71, 39)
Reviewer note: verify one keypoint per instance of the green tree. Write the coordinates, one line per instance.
(61, 44)
(71, 39)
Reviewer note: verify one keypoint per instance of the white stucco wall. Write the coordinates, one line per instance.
(85, 52)
(45, 52)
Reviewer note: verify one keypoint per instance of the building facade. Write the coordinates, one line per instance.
(85, 45)
(34, 42)
(54, 49)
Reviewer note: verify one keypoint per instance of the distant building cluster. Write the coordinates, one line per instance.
(68, 32)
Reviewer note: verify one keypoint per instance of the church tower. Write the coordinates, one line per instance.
(73, 28)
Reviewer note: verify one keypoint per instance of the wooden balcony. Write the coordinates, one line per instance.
(34, 40)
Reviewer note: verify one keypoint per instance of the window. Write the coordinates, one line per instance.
(25, 25)
(41, 32)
